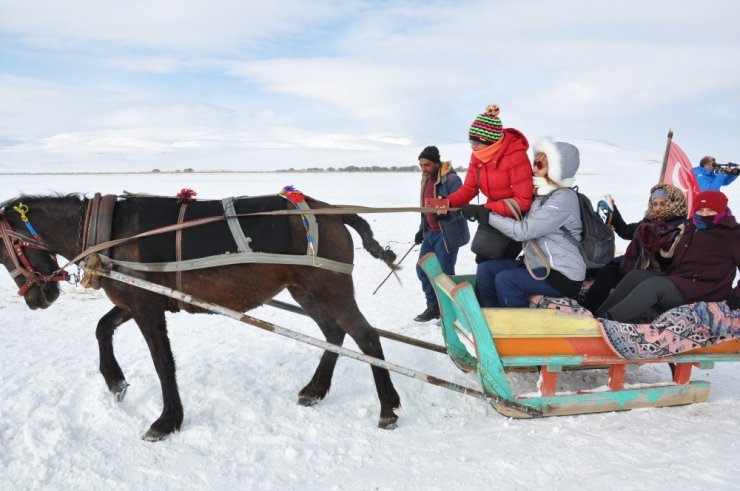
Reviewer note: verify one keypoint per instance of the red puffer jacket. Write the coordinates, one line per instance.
(508, 174)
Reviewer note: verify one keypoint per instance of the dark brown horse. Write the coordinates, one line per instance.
(328, 297)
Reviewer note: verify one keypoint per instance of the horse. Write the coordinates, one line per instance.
(56, 225)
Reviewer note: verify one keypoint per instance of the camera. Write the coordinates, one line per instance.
(730, 168)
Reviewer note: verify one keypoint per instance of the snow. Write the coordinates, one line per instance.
(60, 428)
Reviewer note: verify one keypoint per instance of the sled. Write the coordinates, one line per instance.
(491, 341)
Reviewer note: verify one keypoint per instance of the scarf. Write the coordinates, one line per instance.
(675, 205)
(651, 239)
(704, 223)
(486, 154)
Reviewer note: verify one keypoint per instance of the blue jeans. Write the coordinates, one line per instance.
(507, 283)
(433, 243)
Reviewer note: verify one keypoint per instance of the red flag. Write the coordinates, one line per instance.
(680, 173)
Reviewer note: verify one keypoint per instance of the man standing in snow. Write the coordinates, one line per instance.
(441, 234)
(710, 177)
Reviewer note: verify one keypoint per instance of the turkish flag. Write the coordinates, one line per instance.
(680, 173)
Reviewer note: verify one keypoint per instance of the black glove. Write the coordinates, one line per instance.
(475, 212)
(419, 237)
(734, 303)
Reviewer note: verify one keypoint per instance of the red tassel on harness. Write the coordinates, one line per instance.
(293, 195)
(186, 195)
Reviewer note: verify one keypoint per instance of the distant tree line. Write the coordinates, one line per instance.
(364, 168)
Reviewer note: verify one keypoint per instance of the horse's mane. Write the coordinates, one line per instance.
(77, 197)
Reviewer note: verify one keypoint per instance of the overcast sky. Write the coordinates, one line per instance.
(252, 85)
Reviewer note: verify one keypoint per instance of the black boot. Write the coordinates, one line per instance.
(429, 314)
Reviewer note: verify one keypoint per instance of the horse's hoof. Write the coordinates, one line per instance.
(307, 401)
(388, 423)
(119, 390)
(154, 436)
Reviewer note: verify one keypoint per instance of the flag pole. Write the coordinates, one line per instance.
(665, 156)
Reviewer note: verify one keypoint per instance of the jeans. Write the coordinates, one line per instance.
(507, 283)
(433, 243)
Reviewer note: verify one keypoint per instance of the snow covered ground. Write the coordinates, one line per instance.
(61, 429)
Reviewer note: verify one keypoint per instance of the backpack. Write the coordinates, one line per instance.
(597, 243)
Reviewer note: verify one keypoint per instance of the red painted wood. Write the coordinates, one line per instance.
(682, 374)
(548, 382)
(616, 376)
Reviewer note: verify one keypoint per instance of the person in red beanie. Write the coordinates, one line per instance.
(499, 168)
(704, 265)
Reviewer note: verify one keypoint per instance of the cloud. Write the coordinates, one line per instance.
(297, 78)
(183, 26)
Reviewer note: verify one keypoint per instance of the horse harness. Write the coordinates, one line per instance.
(15, 244)
(98, 225)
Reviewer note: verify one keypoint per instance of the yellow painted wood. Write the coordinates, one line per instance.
(539, 323)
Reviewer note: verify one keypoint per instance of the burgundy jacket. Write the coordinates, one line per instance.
(705, 262)
(508, 175)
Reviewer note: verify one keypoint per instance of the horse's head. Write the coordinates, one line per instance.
(24, 254)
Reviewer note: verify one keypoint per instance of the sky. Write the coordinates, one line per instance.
(248, 85)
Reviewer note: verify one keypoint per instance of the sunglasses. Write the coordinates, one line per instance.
(538, 164)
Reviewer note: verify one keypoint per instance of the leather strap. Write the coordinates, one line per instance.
(178, 250)
(99, 220)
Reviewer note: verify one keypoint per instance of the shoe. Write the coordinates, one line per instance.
(429, 314)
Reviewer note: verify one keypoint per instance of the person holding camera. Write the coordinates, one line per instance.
(711, 176)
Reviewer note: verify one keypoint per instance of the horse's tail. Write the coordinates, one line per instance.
(368, 241)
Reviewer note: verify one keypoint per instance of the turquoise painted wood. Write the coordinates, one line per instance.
(448, 310)
(462, 318)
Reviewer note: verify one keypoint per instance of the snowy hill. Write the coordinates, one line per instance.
(61, 429)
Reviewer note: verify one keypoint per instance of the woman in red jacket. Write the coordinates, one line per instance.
(499, 168)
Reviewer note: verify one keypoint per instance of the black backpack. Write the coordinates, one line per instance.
(597, 244)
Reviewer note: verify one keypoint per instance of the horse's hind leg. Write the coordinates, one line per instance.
(338, 302)
(153, 326)
(320, 383)
(108, 365)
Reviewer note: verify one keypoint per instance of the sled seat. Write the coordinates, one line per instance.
(490, 340)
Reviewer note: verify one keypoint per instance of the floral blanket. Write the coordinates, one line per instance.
(676, 331)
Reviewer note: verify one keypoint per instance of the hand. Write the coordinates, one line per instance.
(475, 212)
(419, 237)
(609, 200)
(734, 303)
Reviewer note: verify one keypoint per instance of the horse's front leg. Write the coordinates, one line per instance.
(108, 364)
(154, 328)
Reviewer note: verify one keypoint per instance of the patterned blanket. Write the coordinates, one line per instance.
(676, 331)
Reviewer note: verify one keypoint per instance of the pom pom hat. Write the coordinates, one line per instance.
(715, 200)
(486, 127)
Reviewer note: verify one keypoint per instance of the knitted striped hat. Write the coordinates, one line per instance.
(487, 127)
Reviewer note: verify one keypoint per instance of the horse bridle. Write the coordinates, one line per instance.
(15, 243)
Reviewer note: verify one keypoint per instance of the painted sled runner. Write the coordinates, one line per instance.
(492, 341)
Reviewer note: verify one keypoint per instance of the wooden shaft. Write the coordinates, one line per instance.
(382, 333)
(267, 326)
(665, 155)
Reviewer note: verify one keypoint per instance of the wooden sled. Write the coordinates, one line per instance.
(490, 340)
